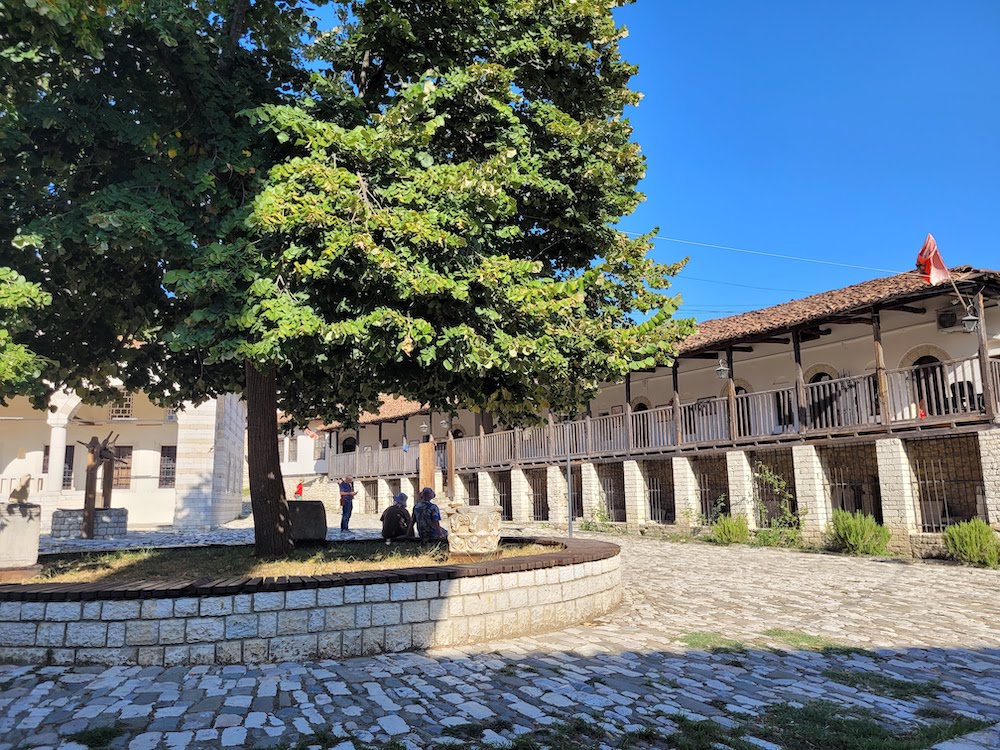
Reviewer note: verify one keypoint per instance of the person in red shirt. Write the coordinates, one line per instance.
(298, 491)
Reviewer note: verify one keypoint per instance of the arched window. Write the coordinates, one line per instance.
(349, 445)
(929, 381)
(457, 433)
(821, 377)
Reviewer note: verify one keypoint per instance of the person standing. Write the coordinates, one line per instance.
(298, 492)
(346, 502)
(396, 521)
(427, 517)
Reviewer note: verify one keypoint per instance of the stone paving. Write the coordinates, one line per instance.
(649, 661)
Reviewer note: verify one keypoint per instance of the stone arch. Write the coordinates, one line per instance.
(65, 405)
(924, 350)
(641, 404)
(818, 369)
(738, 383)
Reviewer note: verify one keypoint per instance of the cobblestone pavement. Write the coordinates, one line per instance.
(704, 632)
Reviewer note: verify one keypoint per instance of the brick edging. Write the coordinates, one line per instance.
(573, 552)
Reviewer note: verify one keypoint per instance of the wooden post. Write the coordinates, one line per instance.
(628, 388)
(90, 488)
(449, 454)
(800, 382)
(552, 437)
(108, 483)
(628, 428)
(590, 436)
(989, 388)
(427, 464)
(731, 397)
(882, 378)
(678, 424)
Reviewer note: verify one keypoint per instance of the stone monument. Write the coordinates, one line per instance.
(20, 528)
(473, 531)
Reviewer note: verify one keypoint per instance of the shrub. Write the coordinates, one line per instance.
(858, 534)
(730, 530)
(777, 536)
(973, 542)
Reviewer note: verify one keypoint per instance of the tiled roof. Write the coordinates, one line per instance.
(816, 308)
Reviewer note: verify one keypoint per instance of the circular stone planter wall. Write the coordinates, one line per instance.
(249, 620)
(109, 523)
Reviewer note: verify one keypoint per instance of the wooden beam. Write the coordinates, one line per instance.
(850, 321)
(800, 382)
(628, 388)
(732, 349)
(908, 309)
(989, 391)
(773, 341)
(701, 355)
(731, 394)
(882, 378)
(815, 333)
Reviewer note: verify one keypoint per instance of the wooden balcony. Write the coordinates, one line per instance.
(939, 394)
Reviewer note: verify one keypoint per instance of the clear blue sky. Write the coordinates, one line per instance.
(840, 131)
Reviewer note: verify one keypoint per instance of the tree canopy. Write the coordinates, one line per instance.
(419, 201)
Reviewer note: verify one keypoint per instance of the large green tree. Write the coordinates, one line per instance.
(419, 201)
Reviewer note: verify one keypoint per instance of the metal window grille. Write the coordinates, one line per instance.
(293, 447)
(713, 486)
(67, 478)
(538, 485)
(371, 496)
(660, 489)
(501, 480)
(612, 481)
(948, 480)
(851, 473)
(121, 409)
(471, 488)
(395, 486)
(768, 498)
(319, 447)
(576, 477)
(168, 466)
(123, 467)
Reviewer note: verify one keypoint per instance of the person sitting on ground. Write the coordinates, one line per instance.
(427, 517)
(396, 521)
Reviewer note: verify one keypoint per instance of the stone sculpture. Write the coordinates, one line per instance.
(473, 531)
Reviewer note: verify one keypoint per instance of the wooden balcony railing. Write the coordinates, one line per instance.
(936, 393)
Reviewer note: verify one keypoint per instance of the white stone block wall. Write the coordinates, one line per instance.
(687, 493)
(227, 477)
(811, 493)
(896, 485)
(555, 482)
(310, 623)
(520, 496)
(384, 498)
(741, 486)
(593, 497)
(636, 495)
(195, 482)
(989, 457)
(487, 489)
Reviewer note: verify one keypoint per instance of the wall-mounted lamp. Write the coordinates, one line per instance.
(722, 371)
(445, 423)
(970, 322)
(424, 428)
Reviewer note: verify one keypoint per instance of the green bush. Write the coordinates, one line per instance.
(858, 534)
(973, 542)
(730, 530)
(777, 536)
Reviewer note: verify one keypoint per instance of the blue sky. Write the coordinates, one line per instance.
(837, 131)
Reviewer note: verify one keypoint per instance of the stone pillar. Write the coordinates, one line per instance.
(383, 498)
(636, 495)
(411, 486)
(195, 466)
(591, 488)
(741, 494)
(461, 491)
(811, 493)
(487, 490)
(899, 502)
(989, 456)
(687, 493)
(438, 485)
(555, 482)
(52, 482)
(520, 496)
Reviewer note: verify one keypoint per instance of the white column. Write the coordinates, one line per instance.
(591, 490)
(636, 495)
(51, 493)
(896, 483)
(520, 496)
(383, 497)
(487, 489)
(989, 456)
(741, 494)
(555, 482)
(195, 466)
(811, 494)
(687, 493)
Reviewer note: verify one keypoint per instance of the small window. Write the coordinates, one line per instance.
(123, 467)
(319, 447)
(293, 448)
(67, 477)
(281, 448)
(349, 445)
(385, 443)
(45, 460)
(121, 409)
(168, 466)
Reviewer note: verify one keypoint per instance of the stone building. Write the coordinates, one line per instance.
(880, 397)
(180, 468)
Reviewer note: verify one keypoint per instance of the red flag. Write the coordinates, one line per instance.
(929, 263)
(309, 433)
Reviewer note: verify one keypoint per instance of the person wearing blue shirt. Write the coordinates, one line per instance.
(346, 501)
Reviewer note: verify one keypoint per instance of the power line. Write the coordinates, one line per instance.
(760, 252)
(685, 277)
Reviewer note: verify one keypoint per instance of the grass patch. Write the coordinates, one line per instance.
(713, 642)
(825, 726)
(98, 737)
(705, 735)
(882, 685)
(129, 566)
(806, 642)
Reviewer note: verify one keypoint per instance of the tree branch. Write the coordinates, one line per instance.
(234, 29)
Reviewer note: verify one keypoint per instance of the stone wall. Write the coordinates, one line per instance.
(333, 616)
(109, 523)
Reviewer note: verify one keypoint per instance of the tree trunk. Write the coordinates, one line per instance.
(272, 523)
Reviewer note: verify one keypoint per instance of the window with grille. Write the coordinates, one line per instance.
(67, 477)
(121, 409)
(123, 467)
(319, 447)
(168, 466)
(281, 448)
(293, 448)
